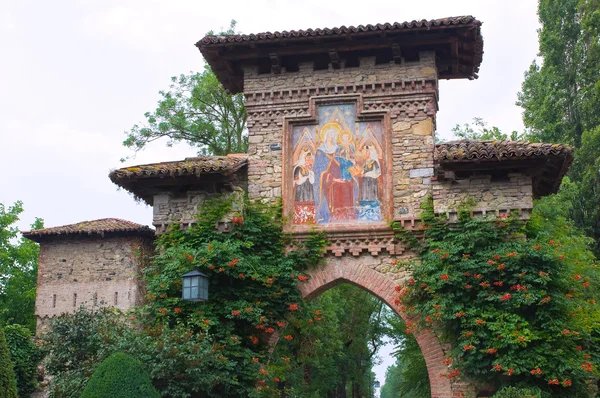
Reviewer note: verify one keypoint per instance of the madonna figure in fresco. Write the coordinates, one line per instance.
(336, 193)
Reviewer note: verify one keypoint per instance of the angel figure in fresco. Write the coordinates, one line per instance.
(336, 194)
(370, 173)
(304, 178)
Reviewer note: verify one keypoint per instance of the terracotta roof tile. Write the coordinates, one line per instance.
(188, 167)
(342, 30)
(143, 181)
(457, 41)
(113, 226)
(547, 163)
(472, 150)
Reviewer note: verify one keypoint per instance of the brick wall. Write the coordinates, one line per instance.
(90, 271)
(380, 277)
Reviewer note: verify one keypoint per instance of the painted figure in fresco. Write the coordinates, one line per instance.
(304, 178)
(335, 198)
(370, 173)
(345, 153)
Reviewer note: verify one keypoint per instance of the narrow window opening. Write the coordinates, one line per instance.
(116, 298)
(74, 300)
(54, 301)
(95, 299)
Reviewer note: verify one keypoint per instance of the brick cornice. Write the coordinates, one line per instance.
(379, 89)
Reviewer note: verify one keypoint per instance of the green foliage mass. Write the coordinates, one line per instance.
(120, 375)
(215, 348)
(8, 381)
(515, 310)
(18, 269)
(561, 98)
(25, 356)
(408, 377)
(196, 110)
(479, 130)
(517, 392)
(336, 347)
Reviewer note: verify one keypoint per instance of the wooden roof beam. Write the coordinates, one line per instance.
(308, 48)
(396, 53)
(275, 63)
(334, 59)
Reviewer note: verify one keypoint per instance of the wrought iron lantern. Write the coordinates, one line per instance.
(195, 286)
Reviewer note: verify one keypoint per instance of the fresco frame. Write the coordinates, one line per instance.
(311, 118)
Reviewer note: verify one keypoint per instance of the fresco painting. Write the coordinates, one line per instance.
(337, 168)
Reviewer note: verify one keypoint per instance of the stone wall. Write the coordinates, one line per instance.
(90, 271)
(403, 95)
(488, 195)
(183, 207)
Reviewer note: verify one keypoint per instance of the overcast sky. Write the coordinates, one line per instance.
(74, 75)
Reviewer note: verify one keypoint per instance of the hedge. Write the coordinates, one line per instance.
(120, 375)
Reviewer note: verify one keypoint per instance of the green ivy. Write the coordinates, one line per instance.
(253, 293)
(25, 356)
(8, 384)
(515, 310)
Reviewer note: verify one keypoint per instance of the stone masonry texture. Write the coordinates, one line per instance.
(92, 271)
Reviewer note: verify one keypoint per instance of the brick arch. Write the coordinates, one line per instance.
(383, 287)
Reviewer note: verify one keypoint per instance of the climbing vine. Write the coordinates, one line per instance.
(517, 301)
(254, 299)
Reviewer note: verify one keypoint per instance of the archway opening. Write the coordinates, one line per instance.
(367, 273)
(352, 339)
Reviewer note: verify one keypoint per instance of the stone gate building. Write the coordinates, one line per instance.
(341, 127)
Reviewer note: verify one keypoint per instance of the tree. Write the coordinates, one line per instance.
(25, 356)
(199, 111)
(8, 381)
(120, 375)
(408, 377)
(18, 269)
(516, 311)
(479, 131)
(561, 98)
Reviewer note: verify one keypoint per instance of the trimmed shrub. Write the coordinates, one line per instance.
(8, 383)
(25, 356)
(120, 375)
(516, 392)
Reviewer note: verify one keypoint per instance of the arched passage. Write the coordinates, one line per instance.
(350, 270)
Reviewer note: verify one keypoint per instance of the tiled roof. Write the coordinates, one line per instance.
(147, 180)
(342, 30)
(547, 163)
(457, 42)
(472, 150)
(188, 167)
(104, 226)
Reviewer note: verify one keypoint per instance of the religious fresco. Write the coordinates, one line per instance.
(337, 168)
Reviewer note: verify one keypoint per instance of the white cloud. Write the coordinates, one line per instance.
(8, 22)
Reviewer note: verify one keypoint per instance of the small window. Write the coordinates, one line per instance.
(116, 298)
(74, 300)
(54, 301)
